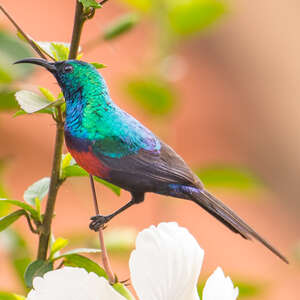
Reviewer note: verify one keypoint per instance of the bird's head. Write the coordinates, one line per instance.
(71, 75)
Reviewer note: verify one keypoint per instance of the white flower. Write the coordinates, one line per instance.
(72, 284)
(166, 263)
(219, 287)
(164, 266)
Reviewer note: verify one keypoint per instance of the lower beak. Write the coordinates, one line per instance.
(50, 66)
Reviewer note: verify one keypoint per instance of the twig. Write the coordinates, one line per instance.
(27, 38)
(77, 29)
(104, 254)
(103, 2)
(32, 229)
(45, 228)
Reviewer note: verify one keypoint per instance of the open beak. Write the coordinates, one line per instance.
(50, 66)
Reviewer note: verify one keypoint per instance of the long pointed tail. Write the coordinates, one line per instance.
(216, 208)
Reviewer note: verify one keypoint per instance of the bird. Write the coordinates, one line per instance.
(111, 144)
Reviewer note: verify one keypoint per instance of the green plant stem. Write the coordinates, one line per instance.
(45, 228)
(77, 29)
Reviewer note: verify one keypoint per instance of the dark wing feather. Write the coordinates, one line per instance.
(150, 167)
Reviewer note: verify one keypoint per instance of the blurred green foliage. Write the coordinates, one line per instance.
(120, 241)
(190, 17)
(227, 176)
(154, 94)
(120, 26)
(247, 288)
(11, 49)
(3, 192)
(18, 250)
(140, 5)
(10, 296)
(176, 20)
(297, 252)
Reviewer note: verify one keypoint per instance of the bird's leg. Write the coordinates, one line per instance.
(99, 221)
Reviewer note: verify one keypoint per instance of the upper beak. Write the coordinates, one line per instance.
(50, 66)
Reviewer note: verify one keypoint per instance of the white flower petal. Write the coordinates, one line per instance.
(219, 287)
(72, 284)
(166, 263)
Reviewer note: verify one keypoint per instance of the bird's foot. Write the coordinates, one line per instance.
(126, 282)
(98, 222)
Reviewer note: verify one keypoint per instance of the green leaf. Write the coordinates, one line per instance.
(37, 268)
(58, 244)
(55, 50)
(37, 190)
(98, 66)
(31, 102)
(90, 3)
(141, 5)
(153, 94)
(47, 94)
(21, 204)
(21, 112)
(77, 171)
(120, 26)
(10, 296)
(109, 185)
(228, 177)
(76, 260)
(60, 51)
(6, 221)
(67, 160)
(121, 289)
(192, 16)
(77, 251)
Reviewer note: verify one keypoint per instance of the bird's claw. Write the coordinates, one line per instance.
(98, 222)
(126, 282)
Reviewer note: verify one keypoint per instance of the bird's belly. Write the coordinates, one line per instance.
(89, 162)
(82, 152)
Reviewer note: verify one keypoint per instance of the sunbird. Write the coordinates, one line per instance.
(109, 143)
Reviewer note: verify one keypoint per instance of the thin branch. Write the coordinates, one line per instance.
(32, 229)
(104, 254)
(53, 189)
(27, 38)
(77, 29)
(60, 265)
(103, 2)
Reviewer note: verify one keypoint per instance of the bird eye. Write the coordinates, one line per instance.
(68, 69)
